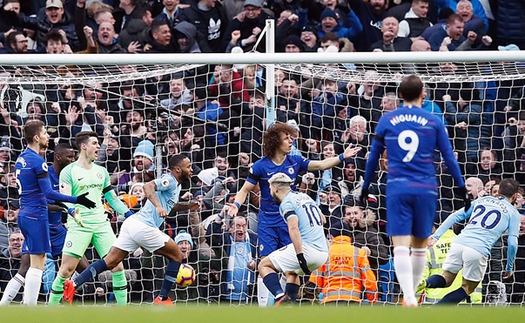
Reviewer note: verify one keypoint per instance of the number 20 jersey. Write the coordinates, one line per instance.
(309, 216)
(411, 136)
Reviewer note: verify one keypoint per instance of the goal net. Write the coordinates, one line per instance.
(215, 109)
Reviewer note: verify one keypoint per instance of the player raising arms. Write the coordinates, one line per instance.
(142, 230)
(309, 248)
(88, 226)
(272, 230)
(64, 155)
(490, 217)
(34, 187)
(410, 135)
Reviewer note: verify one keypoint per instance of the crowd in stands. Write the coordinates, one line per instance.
(216, 116)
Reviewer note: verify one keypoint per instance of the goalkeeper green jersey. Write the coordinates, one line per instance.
(76, 180)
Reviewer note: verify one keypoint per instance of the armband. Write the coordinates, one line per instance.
(341, 158)
(237, 205)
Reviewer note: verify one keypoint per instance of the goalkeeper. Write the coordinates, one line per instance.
(87, 226)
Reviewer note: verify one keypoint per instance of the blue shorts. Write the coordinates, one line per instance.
(58, 237)
(410, 215)
(272, 238)
(36, 232)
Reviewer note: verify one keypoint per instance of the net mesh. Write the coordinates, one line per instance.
(217, 116)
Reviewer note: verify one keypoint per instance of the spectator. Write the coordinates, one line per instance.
(137, 29)
(16, 43)
(9, 220)
(10, 259)
(477, 8)
(513, 146)
(244, 29)
(488, 166)
(230, 88)
(293, 44)
(391, 42)
(331, 205)
(106, 40)
(330, 23)
(451, 38)
(237, 250)
(356, 135)
(179, 94)
(56, 42)
(211, 21)
(415, 21)
(371, 14)
(159, 38)
(360, 223)
(288, 102)
(129, 10)
(347, 274)
(309, 38)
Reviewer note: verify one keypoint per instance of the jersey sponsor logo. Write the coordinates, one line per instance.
(44, 166)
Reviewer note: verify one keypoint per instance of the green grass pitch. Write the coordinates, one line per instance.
(248, 314)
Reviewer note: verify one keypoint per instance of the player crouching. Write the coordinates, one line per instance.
(308, 250)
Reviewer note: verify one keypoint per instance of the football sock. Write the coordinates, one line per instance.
(57, 290)
(403, 269)
(272, 283)
(262, 293)
(120, 287)
(436, 281)
(454, 297)
(172, 270)
(12, 289)
(32, 286)
(292, 290)
(419, 259)
(90, 273)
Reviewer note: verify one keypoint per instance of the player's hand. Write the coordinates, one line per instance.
(351, 152)
(83, 200)
(507, 275)
(233, 210)
(128, 214)
(161, 212)
(364, 196)
(75, 213)
(464, 195)
(194, 205)
(303, 264)
(430, 242)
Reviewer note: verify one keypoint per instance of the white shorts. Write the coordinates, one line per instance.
(134, 234)
(285, 259)
(473, 263)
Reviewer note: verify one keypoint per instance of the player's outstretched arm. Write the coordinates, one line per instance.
(240, 198)
(455, 217)
(334, 161)
(49, 192)
(116, 203)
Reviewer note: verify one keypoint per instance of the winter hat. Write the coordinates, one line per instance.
(208, 175)
(184, 236)
(328, 13)
(294, 40)
(145, 149)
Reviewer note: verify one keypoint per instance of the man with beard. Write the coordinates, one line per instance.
(142, 230)
(371, 15)
(34, 186)
(87, 226)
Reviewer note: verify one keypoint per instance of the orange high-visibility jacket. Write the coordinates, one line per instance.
(346, 275)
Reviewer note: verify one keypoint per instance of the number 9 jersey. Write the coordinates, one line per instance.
(411, 135)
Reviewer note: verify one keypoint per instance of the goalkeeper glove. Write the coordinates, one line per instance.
(128, 214)
(464, 195)
(303, 264)
(75, 213)
(364, 196)
(83, 200)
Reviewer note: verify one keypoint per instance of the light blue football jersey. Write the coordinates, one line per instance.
(310, 218)
(168, 191)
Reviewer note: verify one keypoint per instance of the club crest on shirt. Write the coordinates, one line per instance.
(99, 175)
(69, 244)
(290, 170)
(44, 166)
(240, 250)
(164, 183)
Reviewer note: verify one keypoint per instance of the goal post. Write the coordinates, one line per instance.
(183, 103)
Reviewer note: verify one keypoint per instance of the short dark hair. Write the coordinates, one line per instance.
(508, 187)
(453, 18)
(53, 34)
(157, 23)
(31, 129)
(62, 147)
(11, 39)
(176, 160)
(329, 37)
(410, 88)
(83, 137)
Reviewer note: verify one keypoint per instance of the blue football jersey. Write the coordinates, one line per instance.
(168, 191)
(310, 219)
(410, 136)
(55, 218)
(261, 171)
(29, 167)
